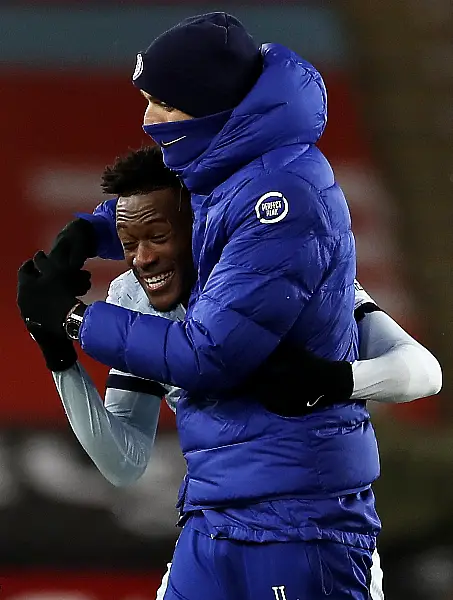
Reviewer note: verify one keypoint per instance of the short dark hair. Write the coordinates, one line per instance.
(139, 172)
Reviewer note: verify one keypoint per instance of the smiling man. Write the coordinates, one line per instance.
(154, 225)
(275, 507)
(155, 230)
(265, 282)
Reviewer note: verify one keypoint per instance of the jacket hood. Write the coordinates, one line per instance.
(287, 105)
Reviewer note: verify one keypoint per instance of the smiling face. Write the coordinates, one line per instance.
(156, 232)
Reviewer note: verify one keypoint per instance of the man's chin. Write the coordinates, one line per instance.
(163, 302)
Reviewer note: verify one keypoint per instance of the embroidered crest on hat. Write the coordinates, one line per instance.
(202, 66)
(272, 207)
(138, 67)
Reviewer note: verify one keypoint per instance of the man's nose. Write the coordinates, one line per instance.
(148, 116)
(145, 256)
(153, 115)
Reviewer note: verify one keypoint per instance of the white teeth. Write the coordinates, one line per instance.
(158, 280)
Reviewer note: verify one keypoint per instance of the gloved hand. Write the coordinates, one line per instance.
(57, 349)
(74, 245)
(295, 382)
(45, 294)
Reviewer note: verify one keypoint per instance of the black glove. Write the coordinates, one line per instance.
(45, 295)
(74, 245)
(57, 349)
(295, 382)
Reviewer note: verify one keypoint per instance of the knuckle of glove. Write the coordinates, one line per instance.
(75, 243)
(78, 282)
(82, 284)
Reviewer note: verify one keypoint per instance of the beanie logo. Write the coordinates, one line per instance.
(271, 208)
(138, 67)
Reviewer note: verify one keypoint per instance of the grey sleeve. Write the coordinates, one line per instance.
(393, 366)
(118, 436)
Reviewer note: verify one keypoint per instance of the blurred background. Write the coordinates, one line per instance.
(67, 108)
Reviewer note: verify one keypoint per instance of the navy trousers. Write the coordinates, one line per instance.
(217, 569)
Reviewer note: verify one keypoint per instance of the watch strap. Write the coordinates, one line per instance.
(74, 320)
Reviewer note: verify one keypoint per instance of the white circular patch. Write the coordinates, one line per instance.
(272, 207)
(138, 67)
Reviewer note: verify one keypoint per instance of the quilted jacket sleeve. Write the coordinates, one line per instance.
(103, 220)
(268, 270)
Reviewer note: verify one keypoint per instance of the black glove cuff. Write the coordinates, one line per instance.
(60, 359)
(339, 382)
(318, 382)
(58, 352)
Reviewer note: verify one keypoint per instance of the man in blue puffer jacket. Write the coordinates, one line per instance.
(274, 507)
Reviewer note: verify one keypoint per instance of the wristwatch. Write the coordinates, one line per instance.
(74, 320)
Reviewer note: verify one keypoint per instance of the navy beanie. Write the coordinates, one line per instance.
(204, 65)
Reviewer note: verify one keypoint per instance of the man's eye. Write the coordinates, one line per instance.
(159, 239)
(129, 245)
(164, 105)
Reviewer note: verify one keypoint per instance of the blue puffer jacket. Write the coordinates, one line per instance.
(276, 260)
